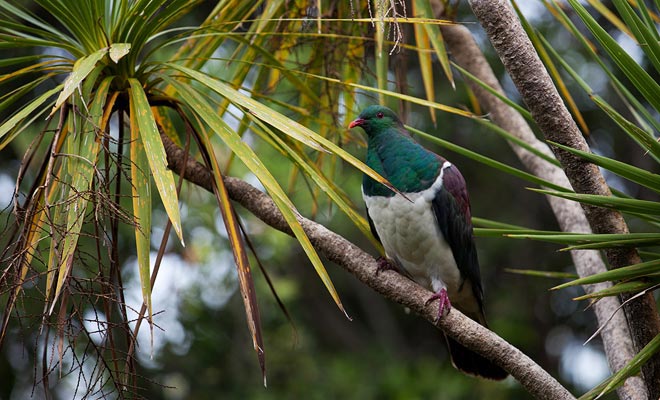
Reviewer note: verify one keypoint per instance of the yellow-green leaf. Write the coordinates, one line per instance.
(626, 273)
(246, 283)
(435, 35)
(610, 16)
(81, 69)
(148, 132)
(119, 50)
(55, 219)
(313, 171)
(425, 60)
(400, 96)
(382, 56)
(542, 274)
(203, 109)
(85, 143)
(634, 286)
(288, 126)
(25, 111)
(141, 190)
(552, 70)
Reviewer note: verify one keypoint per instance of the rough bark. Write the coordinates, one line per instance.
(388, 283)
(553, 118)
(569, 214)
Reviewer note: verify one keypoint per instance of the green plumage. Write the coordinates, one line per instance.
(397, 157)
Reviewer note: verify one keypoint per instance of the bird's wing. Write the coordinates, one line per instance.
(451, 207)
(372, 226)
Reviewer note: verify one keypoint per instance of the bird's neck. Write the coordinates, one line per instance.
(402, 161)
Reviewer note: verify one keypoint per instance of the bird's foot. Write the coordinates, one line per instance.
(443, 298)
(384, 265)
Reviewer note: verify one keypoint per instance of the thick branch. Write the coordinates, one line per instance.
(569, 214)
(553, 118)
(388, 283)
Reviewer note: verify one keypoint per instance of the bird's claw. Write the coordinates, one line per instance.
(443, 298)
(383, 265)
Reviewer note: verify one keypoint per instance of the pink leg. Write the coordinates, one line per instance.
(384, 265)
(445, 304)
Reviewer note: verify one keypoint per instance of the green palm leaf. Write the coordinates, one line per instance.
(646, 36)
(425, 59)
(153, 146)
(81, 172)
(644, 138)
(12, 122)
(279, 121)
(246, 283)
(632, 173)
(634, 286)
(202, 108)
(83, 67)
(624, 273)
(141, 190)
(621, 204)
(646, 85)
(631, 369)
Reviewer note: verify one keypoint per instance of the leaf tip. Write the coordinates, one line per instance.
(348, 317)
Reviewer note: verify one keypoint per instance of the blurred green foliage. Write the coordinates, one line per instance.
(384, 353)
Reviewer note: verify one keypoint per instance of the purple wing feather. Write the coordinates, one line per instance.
(451, 207)
(453, 181)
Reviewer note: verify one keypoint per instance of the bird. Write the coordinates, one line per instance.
(426, 228)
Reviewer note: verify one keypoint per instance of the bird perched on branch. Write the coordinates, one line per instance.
(427, 232)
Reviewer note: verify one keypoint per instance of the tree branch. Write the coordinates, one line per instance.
(569, 214)
(553, 118)
(388, 283)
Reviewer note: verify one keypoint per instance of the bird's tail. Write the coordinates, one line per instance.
(467, 361)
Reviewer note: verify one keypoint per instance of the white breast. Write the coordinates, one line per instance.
(411, 236)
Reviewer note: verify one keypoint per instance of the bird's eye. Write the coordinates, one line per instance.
(379, 115)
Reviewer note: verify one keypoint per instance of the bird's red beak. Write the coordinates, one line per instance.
(357, 122)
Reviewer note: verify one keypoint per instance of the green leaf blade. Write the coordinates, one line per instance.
(153, 146)
(141, 194)
(196, 102)
(616, 203)
(81, 69)
(233, 227)
(86, 145)
(646, 85)
(26, 111)
(624, 273)
(633, 174)
(252, 106)
(286, 125)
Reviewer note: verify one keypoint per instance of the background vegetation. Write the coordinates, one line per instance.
(255, 90)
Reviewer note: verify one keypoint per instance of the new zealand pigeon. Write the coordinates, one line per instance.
(427, 235)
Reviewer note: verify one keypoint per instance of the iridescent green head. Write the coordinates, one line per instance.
(376, 119)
